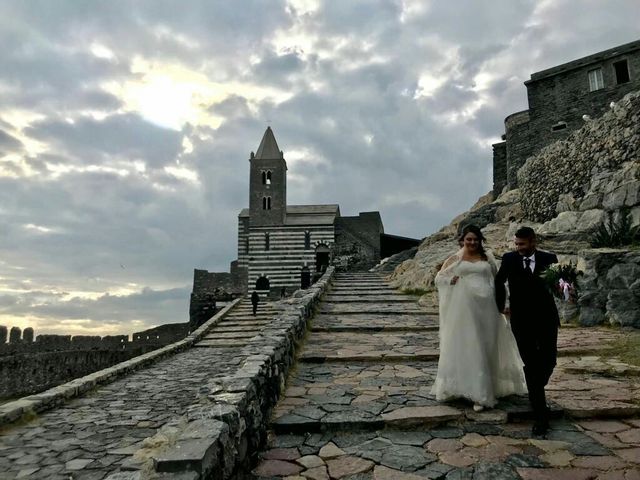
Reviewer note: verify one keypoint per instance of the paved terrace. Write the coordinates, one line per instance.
(358, 407)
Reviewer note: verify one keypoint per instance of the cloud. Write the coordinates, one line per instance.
(127, 126)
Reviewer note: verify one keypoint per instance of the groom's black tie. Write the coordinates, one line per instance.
(527, 264)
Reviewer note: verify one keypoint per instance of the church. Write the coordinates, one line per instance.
(285, 247)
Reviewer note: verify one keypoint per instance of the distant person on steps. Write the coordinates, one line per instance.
(255, 299)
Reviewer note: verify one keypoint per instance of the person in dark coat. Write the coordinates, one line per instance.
(255, 299)
(533, 316)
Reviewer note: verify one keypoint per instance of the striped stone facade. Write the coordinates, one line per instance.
(283, 262)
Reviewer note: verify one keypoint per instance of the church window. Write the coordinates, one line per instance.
(268, 178)
(307, 240)
(596, 82)
(266, 203)
(264, 178)
(622, 72)
(267, 241)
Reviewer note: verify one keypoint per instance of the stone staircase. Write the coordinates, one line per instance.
(239, 326)
(358, 404)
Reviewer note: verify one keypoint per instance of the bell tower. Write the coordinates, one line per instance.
(267, 183)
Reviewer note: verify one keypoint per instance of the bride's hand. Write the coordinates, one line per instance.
(454, 280)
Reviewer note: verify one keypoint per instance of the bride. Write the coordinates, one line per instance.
(479, 358)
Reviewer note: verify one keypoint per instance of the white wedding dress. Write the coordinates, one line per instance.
(479, 358)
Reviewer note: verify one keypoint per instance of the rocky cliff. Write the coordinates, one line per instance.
(566, 192)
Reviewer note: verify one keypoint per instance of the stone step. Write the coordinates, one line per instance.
(399, 342)
(364, 292)
(244, 323)
(389, 298)
(221, 343)
(384, 356)
(363, 307)
(375, 321)
(345, 327)
(357, 275)
(215, 335)
(355, 397)
(224, 329)
(365, 289)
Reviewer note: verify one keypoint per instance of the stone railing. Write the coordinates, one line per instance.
(219, 436)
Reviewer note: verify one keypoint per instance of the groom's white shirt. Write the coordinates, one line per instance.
(532, 265)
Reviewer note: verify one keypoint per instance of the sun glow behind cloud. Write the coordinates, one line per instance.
(172, 95)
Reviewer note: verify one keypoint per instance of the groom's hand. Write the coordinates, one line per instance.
(507, 312)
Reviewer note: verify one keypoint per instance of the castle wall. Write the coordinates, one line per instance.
(582, 173)
(499, 167)
(28, 366)
(558, 98)
(212, 287)
(519, 144)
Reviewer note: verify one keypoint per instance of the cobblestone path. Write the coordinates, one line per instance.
(99, 433)
(357, 406)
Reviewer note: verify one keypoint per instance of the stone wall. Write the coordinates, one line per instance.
(519, 146)
(29, 373)
(222, 434)
(357, 245)
(582, 173)
(212, 287)
(610, 287)
(29, 365)
(499, 167)
(559, 98)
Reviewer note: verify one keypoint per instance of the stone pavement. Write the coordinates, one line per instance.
(113, 427)
(357, 406)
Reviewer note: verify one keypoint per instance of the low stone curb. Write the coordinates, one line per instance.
(390, 357)
(233, 413)
(24, 407)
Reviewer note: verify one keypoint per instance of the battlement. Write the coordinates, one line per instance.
(30, 363)
(16, 341)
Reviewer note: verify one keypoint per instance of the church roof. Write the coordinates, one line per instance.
(312, 214)
(268, 149)
(307, 214)
(312, 209)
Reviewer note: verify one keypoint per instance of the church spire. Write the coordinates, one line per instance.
(268, 149)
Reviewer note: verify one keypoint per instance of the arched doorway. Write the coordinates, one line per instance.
(322, 258)
(262, 283)
(305, 278)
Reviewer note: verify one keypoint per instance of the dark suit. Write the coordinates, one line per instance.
(534, 321)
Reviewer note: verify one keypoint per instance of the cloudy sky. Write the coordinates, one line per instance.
(125, 129)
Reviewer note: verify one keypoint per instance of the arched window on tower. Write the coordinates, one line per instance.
(268, 177)
(307, 240)
(264, 178)
(267, 241)
(266, 203)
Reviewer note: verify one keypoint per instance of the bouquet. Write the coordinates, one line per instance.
(562, 280)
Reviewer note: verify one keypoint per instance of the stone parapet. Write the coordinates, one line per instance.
(226, 428)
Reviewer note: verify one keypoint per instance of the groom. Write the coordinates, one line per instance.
(534, 317)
